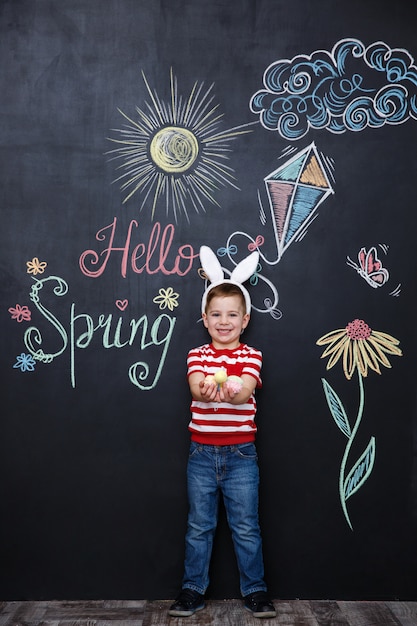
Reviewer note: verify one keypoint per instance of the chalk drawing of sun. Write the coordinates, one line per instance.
(175, 153)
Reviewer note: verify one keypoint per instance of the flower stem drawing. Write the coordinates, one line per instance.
(360, 349)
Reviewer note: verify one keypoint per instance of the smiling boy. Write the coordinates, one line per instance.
(223, 458)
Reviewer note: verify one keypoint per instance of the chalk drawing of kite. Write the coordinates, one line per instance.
(175, 153)
(295, 191)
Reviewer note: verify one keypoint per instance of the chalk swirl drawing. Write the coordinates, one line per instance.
(175, 154)
(20, 313)
(25, 362)
(35, 266)
(351, 88)
(167, 298)
(362, 349)
(369, 267)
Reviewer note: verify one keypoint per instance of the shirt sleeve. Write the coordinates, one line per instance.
(194, 362)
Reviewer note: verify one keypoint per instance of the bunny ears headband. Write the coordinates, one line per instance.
(215, 274)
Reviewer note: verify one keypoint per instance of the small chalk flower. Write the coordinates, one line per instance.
(20, 313)
(35, 266)
(25, 362)
(167, 298)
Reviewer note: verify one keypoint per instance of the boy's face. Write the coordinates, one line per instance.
(225, 319)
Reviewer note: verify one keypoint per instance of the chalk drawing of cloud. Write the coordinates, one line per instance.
(350, 88)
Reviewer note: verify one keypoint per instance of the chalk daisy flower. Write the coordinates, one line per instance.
(167, 298)
(359, 347)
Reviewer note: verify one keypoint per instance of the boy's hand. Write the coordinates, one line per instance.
(209, 391)
(226, 394)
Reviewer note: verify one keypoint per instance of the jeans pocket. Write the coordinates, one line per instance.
(194, 448)
(247, 451)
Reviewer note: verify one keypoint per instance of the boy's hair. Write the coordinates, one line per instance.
(225, 290)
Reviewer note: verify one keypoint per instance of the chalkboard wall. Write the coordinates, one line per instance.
(132, 133)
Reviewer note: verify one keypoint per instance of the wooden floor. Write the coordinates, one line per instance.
(216, 613)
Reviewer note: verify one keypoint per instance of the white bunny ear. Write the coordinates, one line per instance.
(211, 265)
(245, 268)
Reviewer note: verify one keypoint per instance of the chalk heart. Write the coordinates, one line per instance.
(122, 304)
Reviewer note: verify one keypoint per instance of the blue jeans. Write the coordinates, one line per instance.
(232, 471)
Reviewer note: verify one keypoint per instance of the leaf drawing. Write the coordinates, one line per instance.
(360, 471)
(336, 408)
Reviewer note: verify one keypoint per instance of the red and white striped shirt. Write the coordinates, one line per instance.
(222, 423)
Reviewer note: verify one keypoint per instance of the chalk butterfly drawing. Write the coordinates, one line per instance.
(370, 267)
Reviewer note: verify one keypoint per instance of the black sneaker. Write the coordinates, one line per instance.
(187, 603)
(259, 604)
